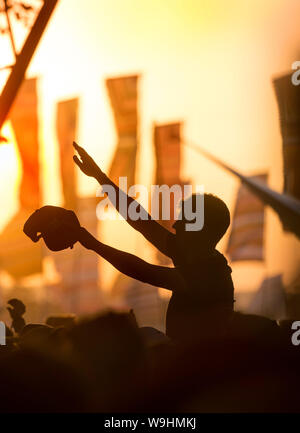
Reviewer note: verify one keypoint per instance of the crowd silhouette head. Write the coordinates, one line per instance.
(211, 358)
(105, 363)
(216, 221)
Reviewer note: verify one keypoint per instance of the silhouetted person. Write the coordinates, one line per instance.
(201, 284)
(109, 352)
(16, 310)
(36, 383)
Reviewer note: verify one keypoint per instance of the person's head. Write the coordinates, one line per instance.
(216, 219)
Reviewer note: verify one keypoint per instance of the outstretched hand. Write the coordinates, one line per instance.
(86, 163)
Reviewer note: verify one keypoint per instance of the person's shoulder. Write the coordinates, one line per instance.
(221, 260)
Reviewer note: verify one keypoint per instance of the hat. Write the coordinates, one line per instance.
(57, 226)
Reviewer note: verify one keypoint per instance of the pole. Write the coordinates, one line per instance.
(23, 59)
(287, 207)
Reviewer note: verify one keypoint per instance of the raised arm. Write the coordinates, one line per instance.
(132, 266)
(150, 229)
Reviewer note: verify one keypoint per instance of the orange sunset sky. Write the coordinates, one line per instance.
(208, 63)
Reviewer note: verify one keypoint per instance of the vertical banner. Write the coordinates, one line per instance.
(87, 274)
(66, 127)
(123, 95)
(288, 100)
(19, 256)
(24, 120)
(78, 269)
(168, 153)
(78, 288)
(246, 241)
(167, 147)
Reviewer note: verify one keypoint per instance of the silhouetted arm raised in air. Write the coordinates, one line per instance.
(133, 266)
(150, 229)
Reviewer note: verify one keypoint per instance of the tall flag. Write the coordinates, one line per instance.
(78, 288)
(66, 127)
(24, 120)
(168, 152)
(167, 144)
(87, 280)
(288, 99)
(18, 255)
(123, 94)
(246, 241)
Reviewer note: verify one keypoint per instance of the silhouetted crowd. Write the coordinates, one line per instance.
(106, 363)
(211, 359)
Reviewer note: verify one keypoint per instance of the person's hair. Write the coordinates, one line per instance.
(216, 216)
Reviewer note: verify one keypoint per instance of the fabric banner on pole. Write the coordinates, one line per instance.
(288, 99)
(87, 273)
(78, 269)
(24, 119)
(246, 241)
(168, 153)
(123, 94)
(66, 126)
(78, 288)
(19, 256)
(167, 144)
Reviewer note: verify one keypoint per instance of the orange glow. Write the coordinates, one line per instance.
(10, 168)
(207, 62)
